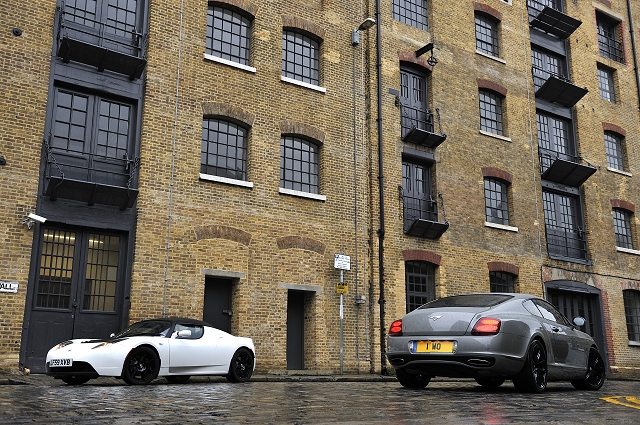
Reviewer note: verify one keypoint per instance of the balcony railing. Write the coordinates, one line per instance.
(114, 46)
(548, 17)
(567, 243)
(418, 126)
(563, 168)
(421, 217)
(556, 87)
(91, 178)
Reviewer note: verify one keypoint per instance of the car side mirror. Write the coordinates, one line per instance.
(185, 333)
(578, 321)
(112, 335)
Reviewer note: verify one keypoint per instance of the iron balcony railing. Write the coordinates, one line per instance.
(416, 118)
(567, 243)
(419, 208)
(541, 75)
(549, 156)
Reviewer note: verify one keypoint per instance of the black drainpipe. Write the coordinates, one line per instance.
(632, 30)
(381, 301)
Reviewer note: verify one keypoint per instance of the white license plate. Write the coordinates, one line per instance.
(60, 362)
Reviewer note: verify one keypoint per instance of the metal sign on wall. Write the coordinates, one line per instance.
(342, 262)
(8, 286)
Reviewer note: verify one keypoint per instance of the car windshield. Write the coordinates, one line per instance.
(146, 328)
(471, 300)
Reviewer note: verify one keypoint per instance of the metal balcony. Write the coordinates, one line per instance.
(101, 45)
(564, 169)
(565, 243)
(556, 88)
(418, 126)
(421, 218)
(550, 19)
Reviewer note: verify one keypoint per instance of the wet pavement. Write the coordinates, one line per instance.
(350, 400)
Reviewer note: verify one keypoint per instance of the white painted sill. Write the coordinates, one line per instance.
(230, 63)
(635, 343)
(300, 194)
(225, 180)
(495, 136)
(500, 226)
(303, 84)
(624, 173)
(628, 251)
(495, 58)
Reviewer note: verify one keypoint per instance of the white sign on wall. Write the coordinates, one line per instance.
(8, 286)
(342, 262)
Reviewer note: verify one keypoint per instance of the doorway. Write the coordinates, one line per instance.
(295, 330)
(217, 303)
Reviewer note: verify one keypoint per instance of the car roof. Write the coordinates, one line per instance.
(181, 320)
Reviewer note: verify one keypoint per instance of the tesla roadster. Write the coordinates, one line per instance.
(494, 337)
(171, 347)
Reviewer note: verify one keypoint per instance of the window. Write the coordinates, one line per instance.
(300, 58)
(224, 149)
(605, 80)
(491, 112)
(555, 140)
(566, 238)
(413, 101)
(496, 201)
(118, 17)
(417, 193)
(546, 65)
(299, 165)
(615, 151)
(412, 12)
(501, 282)
(487, 35)
(609, 38)
(228, 35)
(632, 312)
(549, 312)
(536, 6)
(622, 227)
(421, 283)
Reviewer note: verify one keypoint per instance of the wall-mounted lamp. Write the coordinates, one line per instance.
(432, 61)
(365, 25)
(2, 160)
(31, 219)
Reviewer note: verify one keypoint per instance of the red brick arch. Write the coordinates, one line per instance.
(490, 85)
(625, 205)
(481, 7)
(420, 255)
(497, 173)
(607, 126)
(501, 266)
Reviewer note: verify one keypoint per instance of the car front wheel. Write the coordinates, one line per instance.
(533, 376)
(595, 374)
(412, 380)
(141, 366)
(241, 367)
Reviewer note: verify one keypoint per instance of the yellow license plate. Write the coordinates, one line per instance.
(433, 346)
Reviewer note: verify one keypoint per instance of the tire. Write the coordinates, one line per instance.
(412, 380)
(177, 379)
(75, 380)
(533, 376)
(141, 366)
(241, 366)
(595, 374)
(490, 383)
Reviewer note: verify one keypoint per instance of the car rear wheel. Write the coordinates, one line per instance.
(241, 367)
(74, 380)
(491, 383)
(412, 380)
(177, 379)
(141, 366)
(533, 376)
(595, 375)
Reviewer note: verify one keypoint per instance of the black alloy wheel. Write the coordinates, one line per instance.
(74, 380)
(177, 379)
(533, 376)
(412, 380)
(595, 375)
(141, 366)
(241, 366)
(491, 383)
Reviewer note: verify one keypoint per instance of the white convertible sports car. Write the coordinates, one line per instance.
(171, 347)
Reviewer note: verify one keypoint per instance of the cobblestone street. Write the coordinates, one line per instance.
(302, 401)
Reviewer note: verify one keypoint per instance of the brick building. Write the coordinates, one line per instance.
(210, 159)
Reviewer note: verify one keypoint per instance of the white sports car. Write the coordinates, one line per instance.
(171, 347)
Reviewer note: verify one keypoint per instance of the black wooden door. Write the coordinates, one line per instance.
(79, 290)
(295, 330)
(413, 101)
(217, 303)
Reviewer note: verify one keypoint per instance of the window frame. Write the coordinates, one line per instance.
(623, 228)
(240, 30)
(499, 198)
(606, 84)
(609, 33)
(411, 12)
(501, 280)
(421, 274)
(297, 186)
(219, 173)
(487, 34)
(631, 300)
(308, 75)
(492, 113)
(567, 217)
(615, 151)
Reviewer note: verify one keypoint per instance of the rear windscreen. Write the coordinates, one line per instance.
(471, 300)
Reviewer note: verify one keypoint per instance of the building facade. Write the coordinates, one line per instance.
(296, 173)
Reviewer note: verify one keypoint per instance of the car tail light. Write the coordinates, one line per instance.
(396, 328)
(486, 326)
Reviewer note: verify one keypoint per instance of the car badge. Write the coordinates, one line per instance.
(434, 317)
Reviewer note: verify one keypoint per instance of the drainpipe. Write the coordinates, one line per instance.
(381, 301)
(632, 30)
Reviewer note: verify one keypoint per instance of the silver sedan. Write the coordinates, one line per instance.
(494, 337)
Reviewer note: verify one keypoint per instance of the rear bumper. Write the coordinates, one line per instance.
(456, 366)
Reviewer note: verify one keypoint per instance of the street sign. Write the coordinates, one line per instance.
(342, 288)
(342, 262)
(8, 286)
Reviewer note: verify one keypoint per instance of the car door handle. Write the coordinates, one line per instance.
(555, 329)
(227, 312)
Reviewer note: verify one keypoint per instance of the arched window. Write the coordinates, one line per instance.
(228, 34)
(299, 164)
(224, 149)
